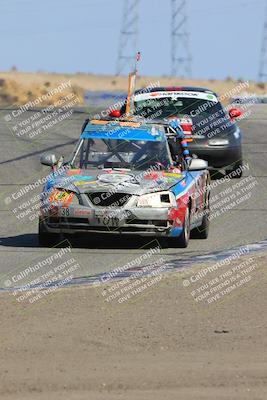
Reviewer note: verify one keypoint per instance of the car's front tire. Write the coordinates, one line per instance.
(237, 170)
(182, 240)
(46, 238)
(202, 231)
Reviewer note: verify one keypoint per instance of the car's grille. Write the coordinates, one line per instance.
(158, 223)
(107, 199)
(62, 220)
(74, 220)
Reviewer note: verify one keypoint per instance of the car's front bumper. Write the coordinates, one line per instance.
(143, 222)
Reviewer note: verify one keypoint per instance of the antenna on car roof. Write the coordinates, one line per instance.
(131, 86)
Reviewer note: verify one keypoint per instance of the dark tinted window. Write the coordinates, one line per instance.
(207, 116)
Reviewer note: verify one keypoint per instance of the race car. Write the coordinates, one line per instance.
(126, 177)
(211, 131)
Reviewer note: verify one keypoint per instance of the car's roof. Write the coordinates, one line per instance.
(123, 130)
(174, 89)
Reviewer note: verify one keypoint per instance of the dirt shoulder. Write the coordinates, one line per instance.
(163, 343)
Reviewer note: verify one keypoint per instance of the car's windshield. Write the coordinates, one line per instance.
(171, 106)
(114, 153)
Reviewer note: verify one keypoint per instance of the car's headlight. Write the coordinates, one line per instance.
(218, 142)
(237, 133)
(158, 199)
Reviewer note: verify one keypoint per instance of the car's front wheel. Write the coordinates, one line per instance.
(183, 240)
(46, 238)
(202, 231)
(237, 170)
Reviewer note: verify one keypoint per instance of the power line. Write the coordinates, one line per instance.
(180, 54)
(234, 5)
(263, 56)
(128, 36)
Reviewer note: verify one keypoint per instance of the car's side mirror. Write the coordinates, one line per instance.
(198, 165)
(115, 114)
(49, 160)
(235, 113)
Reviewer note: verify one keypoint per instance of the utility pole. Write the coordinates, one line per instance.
(180, 52)
(263, 56)
(128, 36)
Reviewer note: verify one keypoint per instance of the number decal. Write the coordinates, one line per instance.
(65, 212)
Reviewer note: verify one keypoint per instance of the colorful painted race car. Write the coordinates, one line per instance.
(126, 177)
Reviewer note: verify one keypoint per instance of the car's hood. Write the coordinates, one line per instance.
(133, 182)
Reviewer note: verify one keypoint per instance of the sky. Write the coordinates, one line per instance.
(83, 36)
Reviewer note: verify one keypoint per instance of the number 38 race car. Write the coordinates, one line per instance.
(127, 177)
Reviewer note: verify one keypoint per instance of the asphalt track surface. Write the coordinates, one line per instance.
(245, 222)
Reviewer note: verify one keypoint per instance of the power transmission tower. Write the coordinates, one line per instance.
(128, 36)
(263, 57)
(181, 57)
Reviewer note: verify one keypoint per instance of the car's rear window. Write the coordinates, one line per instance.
(207, 116)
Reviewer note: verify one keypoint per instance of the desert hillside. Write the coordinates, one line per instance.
(18, 88)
